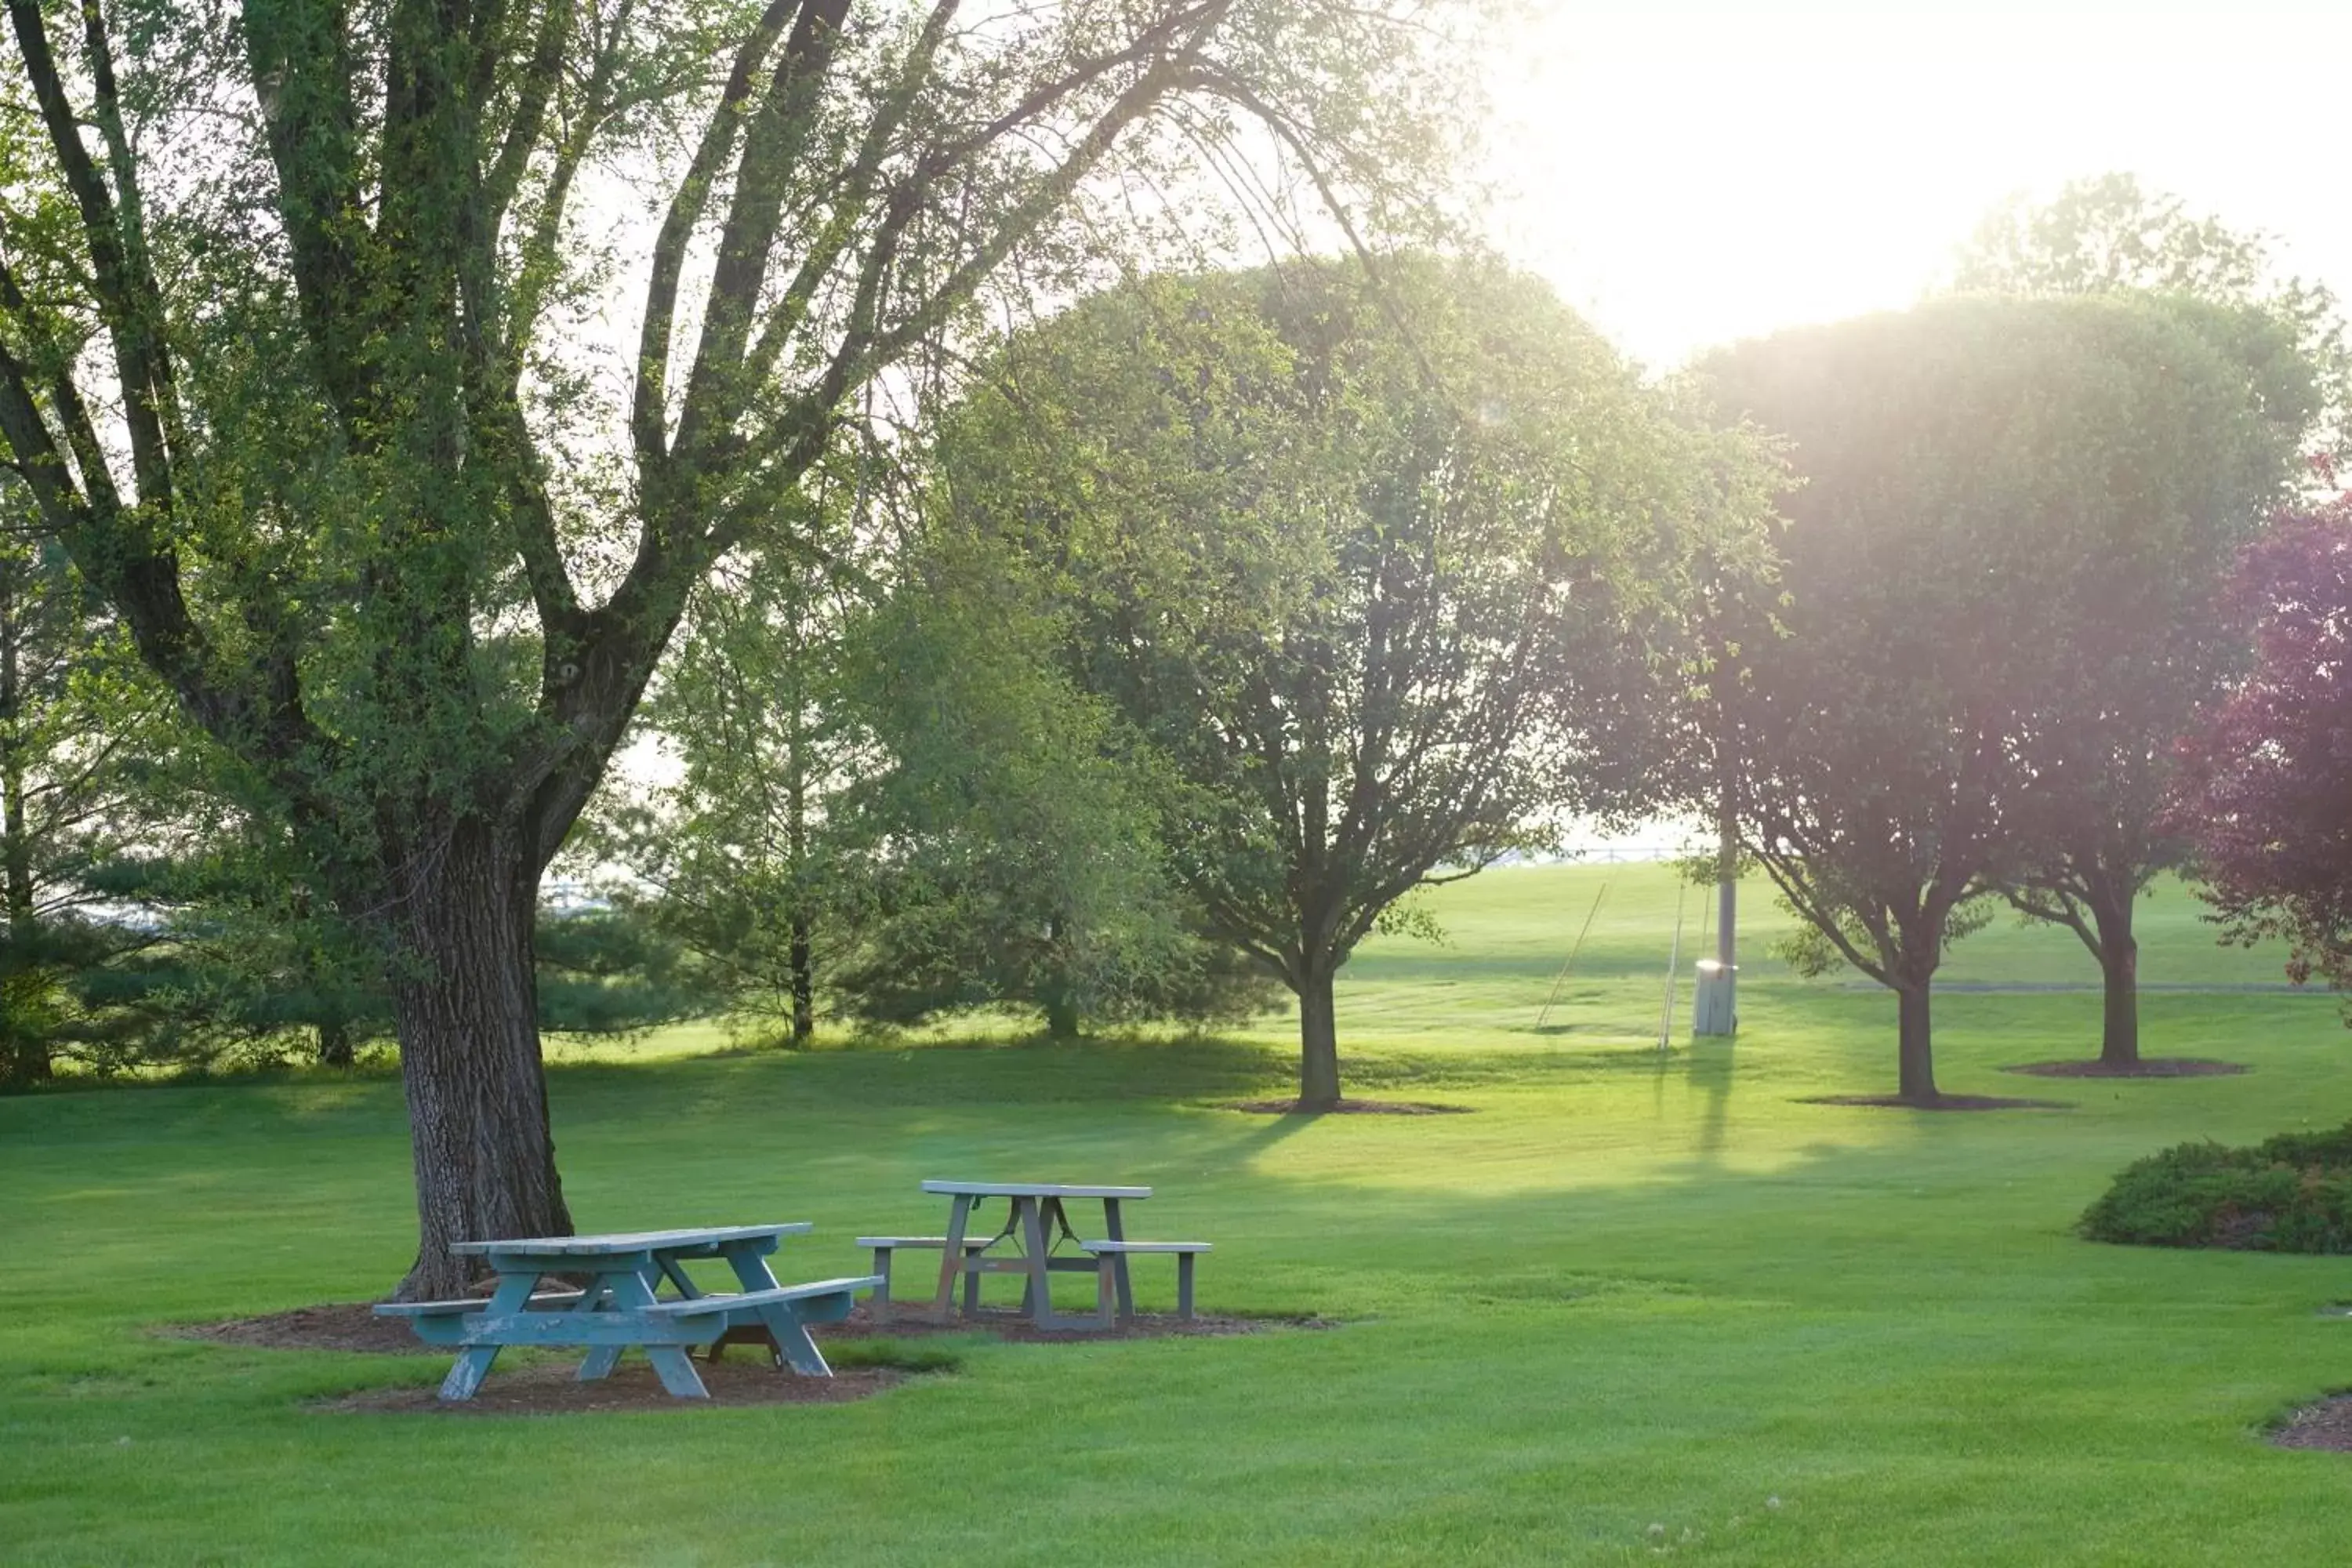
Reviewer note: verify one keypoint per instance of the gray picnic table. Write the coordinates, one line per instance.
(1038, 1221)
(621, 1307)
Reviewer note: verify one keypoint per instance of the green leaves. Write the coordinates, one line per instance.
(1378, 564)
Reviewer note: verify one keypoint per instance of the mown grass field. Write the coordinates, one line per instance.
(1632, 1290)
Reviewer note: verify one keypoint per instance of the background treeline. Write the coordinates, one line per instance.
(1140, 668)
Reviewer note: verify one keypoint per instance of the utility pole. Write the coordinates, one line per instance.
(1715, 1010)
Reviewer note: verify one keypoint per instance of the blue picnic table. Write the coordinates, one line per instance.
(620, 1306)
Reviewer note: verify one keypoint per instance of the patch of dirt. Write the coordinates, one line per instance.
(552, 1390)
(1008, 1325)
(2151, 1067)
(2327, 1425)
(329, 1326)
(1943, 1102)
(353, 1326)
(1347, 1108)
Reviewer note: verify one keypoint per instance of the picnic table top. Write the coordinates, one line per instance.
(623, 1242)
(1031, 1190)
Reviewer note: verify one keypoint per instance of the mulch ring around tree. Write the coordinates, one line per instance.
(1347, 1108)
(329, 1326)
(1942, 1102)
(2151, 1067)
(2325, 1424)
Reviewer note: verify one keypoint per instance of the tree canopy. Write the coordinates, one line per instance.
(2268, 769)
(1372, 560)
(2145, 659)
(2003, 507)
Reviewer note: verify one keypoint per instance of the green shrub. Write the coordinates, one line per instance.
(2290, 1194)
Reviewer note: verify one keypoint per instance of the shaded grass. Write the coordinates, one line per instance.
(1636, 1290)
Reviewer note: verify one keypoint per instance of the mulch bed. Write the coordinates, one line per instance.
(743, 1376)
(1347, 1108)
(1946, 1103)
(550, 1389)
(2151, 1067)
(353, 1326)
(1010, 1326)
(329, 1326)
(2327, 1425)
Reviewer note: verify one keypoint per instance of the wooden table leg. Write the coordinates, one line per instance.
(1031, 1216)
(1115, 1231)
(788, 1335)
(671, 1364)
(601, 1360)
(952, 1258)
(474, 1363)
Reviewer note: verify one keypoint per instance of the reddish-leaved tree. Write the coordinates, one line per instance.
(2265, 775)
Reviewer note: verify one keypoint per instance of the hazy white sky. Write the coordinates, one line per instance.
(1689, 174)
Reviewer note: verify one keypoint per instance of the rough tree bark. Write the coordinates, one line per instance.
(465, 1008)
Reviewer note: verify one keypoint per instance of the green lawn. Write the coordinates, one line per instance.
(1631, 1290)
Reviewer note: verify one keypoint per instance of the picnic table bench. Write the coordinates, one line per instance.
(620, 1307)
(1039, 1221)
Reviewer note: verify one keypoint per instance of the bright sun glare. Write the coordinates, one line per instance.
(1687, 175)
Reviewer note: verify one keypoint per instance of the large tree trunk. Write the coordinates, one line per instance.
(1319, 1042)
(1061, 1018)
(2119, 968)
(465, 1005)
(1915, 1052)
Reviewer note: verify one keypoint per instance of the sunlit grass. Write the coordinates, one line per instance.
(1633, 1289)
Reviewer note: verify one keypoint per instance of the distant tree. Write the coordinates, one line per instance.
(1367, 563)
(1017, 829)
(237, 961)
(75, 721)
(2149, 644)
(742, 857)
(2268, 770)
(1996, 496)
(241, 958)
(2109, 235)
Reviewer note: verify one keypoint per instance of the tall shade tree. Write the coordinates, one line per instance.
(1370, 562)
(1982, 562)
(2151, 644)
(300, 354)
(2267, 770)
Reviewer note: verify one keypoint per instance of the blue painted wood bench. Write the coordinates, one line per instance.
(1108, 1255)
(620, 1307)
